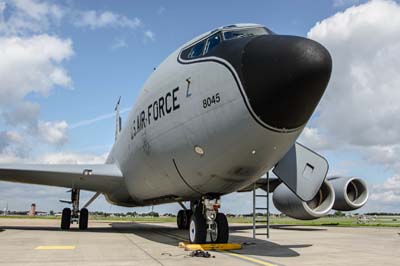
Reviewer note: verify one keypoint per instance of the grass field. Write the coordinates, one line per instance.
(385, 221)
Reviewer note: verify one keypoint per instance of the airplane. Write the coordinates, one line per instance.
(216, 115)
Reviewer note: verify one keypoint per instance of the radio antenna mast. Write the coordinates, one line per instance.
(117, 119)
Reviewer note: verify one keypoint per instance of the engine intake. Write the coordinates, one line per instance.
(291, 205)
(351, 193)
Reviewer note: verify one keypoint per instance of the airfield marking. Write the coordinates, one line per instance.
(254, 260)
(55, 248)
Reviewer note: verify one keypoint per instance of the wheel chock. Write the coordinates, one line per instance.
(210, 246)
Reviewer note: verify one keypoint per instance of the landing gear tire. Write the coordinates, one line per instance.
(83, 219)
(183, 219)
(197, 228)
(220, 232)
(179, 219)
(66, 219)
(187, 218)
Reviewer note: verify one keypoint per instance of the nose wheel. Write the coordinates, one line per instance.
(206, 222)
(183, 219)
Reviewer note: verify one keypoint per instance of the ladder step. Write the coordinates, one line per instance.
(261, 234)
(261, 221)
(263, 196)
(259, 208)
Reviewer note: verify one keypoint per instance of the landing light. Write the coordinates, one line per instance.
(253, 152)
(199, 150)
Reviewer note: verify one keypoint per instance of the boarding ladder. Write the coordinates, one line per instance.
(261, 196)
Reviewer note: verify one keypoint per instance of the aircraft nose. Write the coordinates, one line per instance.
(284, 78)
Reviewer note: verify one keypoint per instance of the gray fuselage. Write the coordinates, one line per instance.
(194, 130)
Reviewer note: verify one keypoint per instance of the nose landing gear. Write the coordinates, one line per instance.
(207, 221)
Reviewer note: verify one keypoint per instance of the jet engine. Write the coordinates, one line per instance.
(351, 193)
(291, 205)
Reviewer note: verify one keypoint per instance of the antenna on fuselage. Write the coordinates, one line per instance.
(117, 119)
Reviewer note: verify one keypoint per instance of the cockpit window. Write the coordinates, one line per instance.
(212, 42)
(197, 50)
(234, 34)
(205, 46)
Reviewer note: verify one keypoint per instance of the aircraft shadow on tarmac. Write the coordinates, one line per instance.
(172, 236)
(279, 227)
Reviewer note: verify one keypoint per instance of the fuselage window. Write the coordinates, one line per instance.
(197, 50)
(234, 34)
(212, 42)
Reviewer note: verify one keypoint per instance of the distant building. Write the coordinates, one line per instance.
(32, 212)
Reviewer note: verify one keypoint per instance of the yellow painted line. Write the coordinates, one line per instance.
(210, 246)
(261, 262)
(55, 248)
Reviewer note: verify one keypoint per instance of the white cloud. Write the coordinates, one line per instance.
(72, 158)
(94, 20)
(7, 138)
(362, 93)
(55, 158)
(388, 192)
(311, 137)
(28, 16)
(32, 64)
(360, 109)
(37, 10)
(148, 34)
(54, 132)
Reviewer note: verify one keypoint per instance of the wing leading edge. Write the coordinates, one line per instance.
(93, 177)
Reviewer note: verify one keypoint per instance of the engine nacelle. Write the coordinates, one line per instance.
(351, 193)
(291, 205)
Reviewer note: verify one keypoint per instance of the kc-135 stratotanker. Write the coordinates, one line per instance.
(214, 117)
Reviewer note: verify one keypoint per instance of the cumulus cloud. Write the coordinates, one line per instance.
(32, 64)
(8, 137)
(362, 93)
(28, 16)
(388, 192)
(311, 137)
(94, 20)
(360, 109)
(54, 132)
(37, 10)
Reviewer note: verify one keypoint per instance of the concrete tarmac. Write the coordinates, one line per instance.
(41, 242)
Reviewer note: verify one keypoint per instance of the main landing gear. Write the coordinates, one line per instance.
(204, 222)
(74, 216)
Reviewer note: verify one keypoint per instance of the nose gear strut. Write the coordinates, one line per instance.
(208, 221)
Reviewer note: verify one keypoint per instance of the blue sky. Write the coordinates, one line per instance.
(101, 50)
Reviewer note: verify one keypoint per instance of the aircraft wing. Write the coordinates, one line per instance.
(93, 177)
